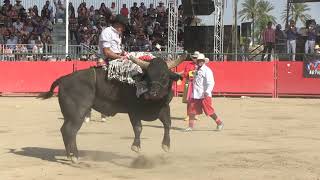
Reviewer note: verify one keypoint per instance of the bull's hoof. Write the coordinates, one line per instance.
(135, 148)
(74, 160)
(165, 148)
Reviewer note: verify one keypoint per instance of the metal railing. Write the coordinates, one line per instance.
(36, 52)
(31, 52)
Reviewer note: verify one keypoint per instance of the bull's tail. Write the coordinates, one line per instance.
(49, 94)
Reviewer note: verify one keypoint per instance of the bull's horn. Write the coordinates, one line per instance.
(174, 63)
(142, 64)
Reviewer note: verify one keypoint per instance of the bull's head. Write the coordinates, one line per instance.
(159, 76)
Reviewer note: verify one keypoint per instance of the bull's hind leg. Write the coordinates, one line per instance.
(166, 121)
(69, 132)
(137, 128)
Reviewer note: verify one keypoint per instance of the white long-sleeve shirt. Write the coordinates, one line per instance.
(203, 82)
(110, 38)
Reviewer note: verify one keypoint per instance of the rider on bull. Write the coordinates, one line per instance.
(110, 45)
(110, 39)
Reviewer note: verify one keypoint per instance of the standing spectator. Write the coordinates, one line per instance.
(292, 34)
(124, 10)
(151, 11)
(113, 9)
(103, 9)
(82, 13)
(311, 39)
(45, 12)
(71, 9)
(35, 10)
(13, 14)
(160, 8)
(134, 11)
(60, 10)
(268, 38)
(18, 6)
(91, 12)
(280, 44)
(6, 7)
(143, 8)
(73, 28)
(203, 84)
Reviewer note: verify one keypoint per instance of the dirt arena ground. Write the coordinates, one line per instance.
(264, 138)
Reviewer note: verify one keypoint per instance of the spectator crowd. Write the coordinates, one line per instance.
(27, 30)
(147, 26)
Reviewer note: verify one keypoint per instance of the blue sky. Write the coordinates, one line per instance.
(278, 4)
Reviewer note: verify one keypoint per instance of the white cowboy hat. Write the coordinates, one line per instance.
(195, 54)
(202, 57)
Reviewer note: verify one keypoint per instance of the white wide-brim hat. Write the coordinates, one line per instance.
(195, 54)
(203, 58)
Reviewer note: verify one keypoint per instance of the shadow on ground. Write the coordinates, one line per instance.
(51, 155)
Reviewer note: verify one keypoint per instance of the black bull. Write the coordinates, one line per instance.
(86, 89)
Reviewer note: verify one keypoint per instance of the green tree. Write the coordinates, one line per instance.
(258, 11)
(264, 16)
(249, 11)
(299, 12)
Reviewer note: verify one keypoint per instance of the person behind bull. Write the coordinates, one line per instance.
(311, 39)
(201, 100)
(292, 35)
(188, 75)
(269, 38)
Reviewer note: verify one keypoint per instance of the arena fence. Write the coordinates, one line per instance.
(267, 79)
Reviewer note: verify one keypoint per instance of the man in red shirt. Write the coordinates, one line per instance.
(269, 38)
(188, 74)
(124, 10)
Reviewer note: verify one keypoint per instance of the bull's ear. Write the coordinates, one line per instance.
(175, 76)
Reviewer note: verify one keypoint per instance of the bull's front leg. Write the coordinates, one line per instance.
(137, 128)
(166, 121)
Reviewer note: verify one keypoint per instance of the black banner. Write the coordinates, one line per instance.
(311, 66)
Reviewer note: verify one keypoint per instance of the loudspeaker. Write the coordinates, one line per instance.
(198, 38)
(246, 29)
(197, 7)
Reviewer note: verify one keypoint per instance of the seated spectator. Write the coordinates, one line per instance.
(94, 40)
(124, 10)
(12, 42)
(18, 25)
(143, 43)
(160, 8)
(60, 10)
